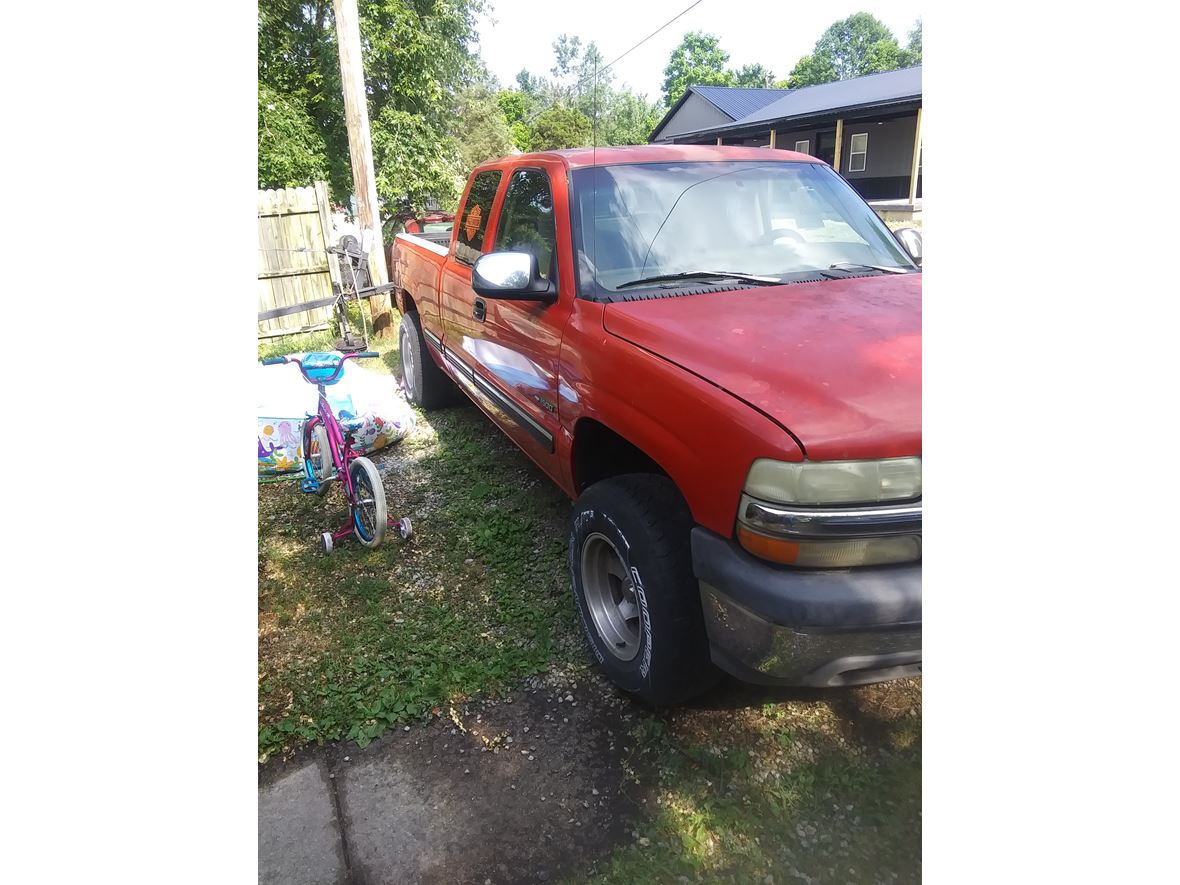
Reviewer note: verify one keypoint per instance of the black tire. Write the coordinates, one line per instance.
(368, 511)
(426, 385)
(644, 520)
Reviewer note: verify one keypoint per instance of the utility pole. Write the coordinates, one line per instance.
(360, 149)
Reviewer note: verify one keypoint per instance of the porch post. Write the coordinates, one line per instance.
(839, 143)
(718, 141)
(917, 155)
(772, 138)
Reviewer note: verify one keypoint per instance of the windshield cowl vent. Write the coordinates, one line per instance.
(678, 291)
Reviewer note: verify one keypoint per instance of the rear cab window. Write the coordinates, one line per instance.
(473, 219)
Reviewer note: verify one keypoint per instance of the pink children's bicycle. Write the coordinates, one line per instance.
(328, 455)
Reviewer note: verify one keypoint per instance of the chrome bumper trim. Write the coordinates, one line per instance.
(829, 522)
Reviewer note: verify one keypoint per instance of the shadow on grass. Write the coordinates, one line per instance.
(751, 781)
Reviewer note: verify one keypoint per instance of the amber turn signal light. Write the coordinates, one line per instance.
(774, 549)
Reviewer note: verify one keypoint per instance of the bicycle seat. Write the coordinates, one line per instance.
(318, 367)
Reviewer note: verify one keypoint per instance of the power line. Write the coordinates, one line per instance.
(597, 72)
(652, 34)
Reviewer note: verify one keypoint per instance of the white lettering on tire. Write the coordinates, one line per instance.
(645, 663)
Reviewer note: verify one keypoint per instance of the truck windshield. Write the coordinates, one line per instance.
(781, 219)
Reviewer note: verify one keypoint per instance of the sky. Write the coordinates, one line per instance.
(520, 33)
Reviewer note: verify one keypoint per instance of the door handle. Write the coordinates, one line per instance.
(480, 310)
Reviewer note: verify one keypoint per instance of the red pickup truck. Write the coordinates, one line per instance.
(716, 352)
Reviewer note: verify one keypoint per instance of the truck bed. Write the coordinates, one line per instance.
(438, 237)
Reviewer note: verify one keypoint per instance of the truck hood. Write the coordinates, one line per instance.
(836, 363)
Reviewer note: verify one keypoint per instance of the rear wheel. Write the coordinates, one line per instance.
(638, 600)
(368, 504)
(426, 385)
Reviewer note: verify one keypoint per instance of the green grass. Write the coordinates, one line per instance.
(357, 642)
(321, 340)
(736, 795)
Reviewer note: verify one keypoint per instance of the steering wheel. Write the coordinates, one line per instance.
(781, 233)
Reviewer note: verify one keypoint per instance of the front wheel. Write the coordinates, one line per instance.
(368, 503)
(638, 600)
(317, 455)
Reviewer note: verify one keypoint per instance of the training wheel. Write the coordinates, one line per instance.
(326, 542)
(405, 528)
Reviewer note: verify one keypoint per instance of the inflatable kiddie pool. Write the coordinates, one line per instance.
(370, 409)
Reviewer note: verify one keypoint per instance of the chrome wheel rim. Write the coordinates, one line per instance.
(321, 460)
(407, 355)
(610, 597)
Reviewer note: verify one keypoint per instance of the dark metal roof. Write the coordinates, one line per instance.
(734, 106)
(887, 87)
(872, 89)
(738, 101)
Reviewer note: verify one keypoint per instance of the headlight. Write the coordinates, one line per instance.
(836, 482)
(833, 514)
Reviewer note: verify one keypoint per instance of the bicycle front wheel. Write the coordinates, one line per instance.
(317, 456)
(368, 502)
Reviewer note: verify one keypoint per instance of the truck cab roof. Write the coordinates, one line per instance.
(576, 158)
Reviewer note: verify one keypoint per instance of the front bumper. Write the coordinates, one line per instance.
(784, 626)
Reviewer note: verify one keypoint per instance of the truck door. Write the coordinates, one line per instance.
(515, 345)
(456, 298)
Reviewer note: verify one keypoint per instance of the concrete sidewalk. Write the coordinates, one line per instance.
(532, 791)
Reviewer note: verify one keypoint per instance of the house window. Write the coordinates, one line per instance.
(804, 146)
(859, 152)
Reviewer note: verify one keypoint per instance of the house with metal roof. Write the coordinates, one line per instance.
(703, 106)
(868, 129)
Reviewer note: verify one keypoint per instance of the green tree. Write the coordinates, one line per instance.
(291, 149)
(914, 47)
(528, 84)
(699, 60)
(298, 63)
(566, 50)
(413, 161)
(594, 86)
(416, 58)
(481, 131)
(558, 127)
(627, 119)
(852, 47)
(517, 108)
(755, 76)
(567, 110)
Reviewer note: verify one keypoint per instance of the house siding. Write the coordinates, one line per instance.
(695, 113)
(890, 156)
(785, 139)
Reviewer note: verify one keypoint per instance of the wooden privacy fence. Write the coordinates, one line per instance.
(294, 232)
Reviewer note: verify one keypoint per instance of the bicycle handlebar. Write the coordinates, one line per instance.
(339, 367)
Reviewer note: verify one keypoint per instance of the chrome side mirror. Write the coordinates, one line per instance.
(911, 240)
(511, 276)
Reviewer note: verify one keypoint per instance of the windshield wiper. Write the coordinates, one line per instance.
(700, 274)
(842, 265)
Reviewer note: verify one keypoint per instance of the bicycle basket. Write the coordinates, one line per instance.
(319, 367)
